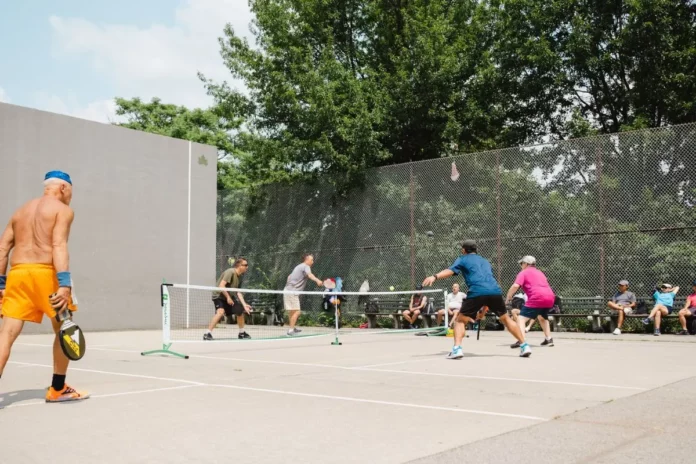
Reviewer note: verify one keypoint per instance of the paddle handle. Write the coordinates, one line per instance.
(60, 315)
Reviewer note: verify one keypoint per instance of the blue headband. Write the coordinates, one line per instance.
(58, 175)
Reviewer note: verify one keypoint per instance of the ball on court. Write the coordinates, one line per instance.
(429, 233)
(391, 288)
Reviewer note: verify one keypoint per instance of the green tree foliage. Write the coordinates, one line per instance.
(197, 125)
(338, 86)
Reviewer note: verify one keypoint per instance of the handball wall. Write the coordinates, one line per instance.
(133, 225)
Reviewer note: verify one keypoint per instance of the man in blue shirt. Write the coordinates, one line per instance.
(664, 305)
(483, 291)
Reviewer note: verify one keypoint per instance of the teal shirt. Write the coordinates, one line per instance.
(664, 298)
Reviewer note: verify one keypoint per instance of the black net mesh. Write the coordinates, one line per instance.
(592, 211)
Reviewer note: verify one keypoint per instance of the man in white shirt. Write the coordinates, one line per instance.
(452, 305)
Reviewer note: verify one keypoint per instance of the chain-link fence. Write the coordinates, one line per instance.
(592, 211)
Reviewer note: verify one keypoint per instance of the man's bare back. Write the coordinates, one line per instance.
(38, 234)
(39, 282)
(34, 230)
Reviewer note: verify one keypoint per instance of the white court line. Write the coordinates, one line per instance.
(284, 392)
(95, 371)
(463, 376)
(108, 395)
(390, 371)
(434, 374)
(387, 403)
(138, 392)
(370, 366)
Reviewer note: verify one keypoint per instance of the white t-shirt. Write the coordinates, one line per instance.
(455, 301)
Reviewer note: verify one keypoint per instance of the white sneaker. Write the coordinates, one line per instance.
(617, 331)
(294, 331)
(456, 353)
(525, 351)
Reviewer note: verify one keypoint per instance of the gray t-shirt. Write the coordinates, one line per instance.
(625, 298)
(298, 277)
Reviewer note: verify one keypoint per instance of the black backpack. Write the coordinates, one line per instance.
(372, 307)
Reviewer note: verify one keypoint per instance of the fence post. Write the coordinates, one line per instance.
(497, 200)
(602, 224)
(413, 227)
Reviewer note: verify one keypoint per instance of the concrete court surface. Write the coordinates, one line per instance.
(376, 399)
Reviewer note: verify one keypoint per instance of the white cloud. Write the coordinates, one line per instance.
(100, 111)
(3, 96)
(156, 61)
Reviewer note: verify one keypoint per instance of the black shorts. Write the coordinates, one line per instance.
(221, 303)
(495, 304)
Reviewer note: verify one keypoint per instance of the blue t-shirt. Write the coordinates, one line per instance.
(478, 275)
(664, 298)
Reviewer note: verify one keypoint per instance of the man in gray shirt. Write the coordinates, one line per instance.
(623, 302)
(297, 280)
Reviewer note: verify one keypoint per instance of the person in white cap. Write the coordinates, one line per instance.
(540, 297)
(623, 302)
(664, 301)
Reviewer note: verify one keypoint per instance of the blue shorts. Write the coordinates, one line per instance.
(533, 313)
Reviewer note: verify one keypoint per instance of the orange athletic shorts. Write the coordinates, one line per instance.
(27, 292)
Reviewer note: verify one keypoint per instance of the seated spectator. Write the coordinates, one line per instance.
(452, 305)
(664, 300)
(689, 310)
(623, 302)
(418, 302)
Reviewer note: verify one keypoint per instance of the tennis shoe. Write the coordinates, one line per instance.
(68, 393)
(525, 351)
(456, 353)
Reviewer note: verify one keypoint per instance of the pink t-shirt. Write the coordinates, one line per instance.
(692, 300)
(537, 288)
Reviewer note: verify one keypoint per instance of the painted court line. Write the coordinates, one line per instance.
(371, 366)
(507, 379)
(391, 371)
(284, 392)
(95, 371)
(138, 392)
(386, 403)
(433, 374)
(108, 395)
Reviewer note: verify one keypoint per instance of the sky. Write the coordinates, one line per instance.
(75, 56)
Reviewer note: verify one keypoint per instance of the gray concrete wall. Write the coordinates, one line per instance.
(130, 196)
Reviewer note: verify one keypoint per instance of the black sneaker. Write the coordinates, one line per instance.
(683, 332)
(548, 342)
(515, 345)
(207, 336)
(243, 335)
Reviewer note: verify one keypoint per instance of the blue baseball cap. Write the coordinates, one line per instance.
(58, 175)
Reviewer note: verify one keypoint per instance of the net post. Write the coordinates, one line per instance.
(446, 313)
(336, 342)
(166, 325)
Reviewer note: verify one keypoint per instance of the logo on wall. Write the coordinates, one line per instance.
(202, 160)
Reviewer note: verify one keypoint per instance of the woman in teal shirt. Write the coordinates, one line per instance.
(664, 303)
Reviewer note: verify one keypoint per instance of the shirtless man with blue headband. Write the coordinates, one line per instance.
(38, 233)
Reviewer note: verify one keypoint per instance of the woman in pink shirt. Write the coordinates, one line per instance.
(689, 310)
(540, 297)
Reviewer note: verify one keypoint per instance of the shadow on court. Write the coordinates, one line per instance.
(6, 399)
